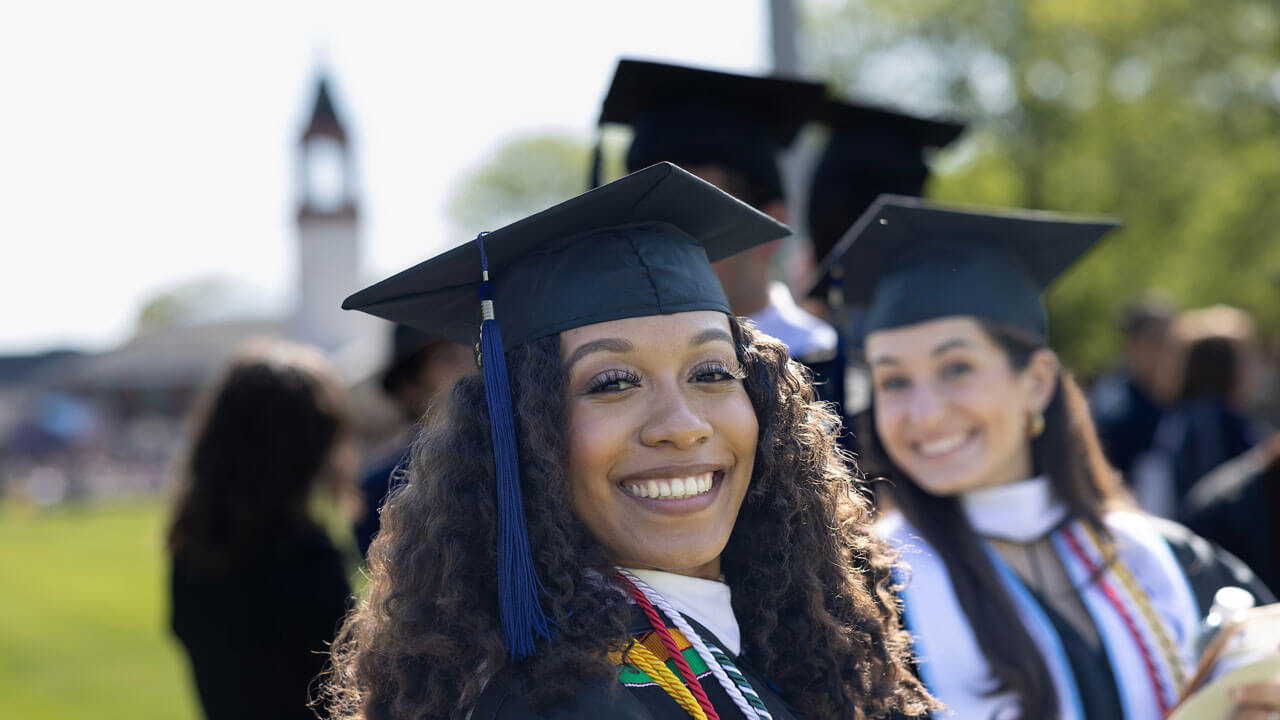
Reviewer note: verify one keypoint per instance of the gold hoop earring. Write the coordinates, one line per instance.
(1035, 425)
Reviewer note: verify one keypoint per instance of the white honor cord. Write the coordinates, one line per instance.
(696, 641)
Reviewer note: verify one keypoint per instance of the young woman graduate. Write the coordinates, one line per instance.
(1031, 592)
(638, 511)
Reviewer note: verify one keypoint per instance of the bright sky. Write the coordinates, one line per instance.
(148, 143)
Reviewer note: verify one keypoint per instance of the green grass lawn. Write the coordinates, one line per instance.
(83, 616)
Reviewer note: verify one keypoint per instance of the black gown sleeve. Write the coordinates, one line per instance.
(1209, 567)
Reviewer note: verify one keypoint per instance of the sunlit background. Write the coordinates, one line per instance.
(163, 201)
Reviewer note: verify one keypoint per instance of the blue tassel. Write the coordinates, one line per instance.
(523, 619)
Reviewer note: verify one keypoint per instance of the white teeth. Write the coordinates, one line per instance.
(674, 488)
(947, 444)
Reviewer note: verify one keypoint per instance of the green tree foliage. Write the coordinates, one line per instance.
(523, 176)
(1160, 112)
(192, 300)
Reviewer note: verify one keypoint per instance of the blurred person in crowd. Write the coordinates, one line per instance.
(1266, 400)
(1237, 505)
(258, 588)
(639, 511)
(728, 129)
(869, 151)
(1123, 400)
(421, 366)
(1208, 373)
(1032, 590)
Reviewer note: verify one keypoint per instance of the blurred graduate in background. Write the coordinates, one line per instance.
(870, 150)
(1208, 375)
(1237, 505)
(257, 587)
(1125, 402)
(729, 130)
(421, 366)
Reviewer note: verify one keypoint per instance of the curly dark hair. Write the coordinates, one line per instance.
(812, 587)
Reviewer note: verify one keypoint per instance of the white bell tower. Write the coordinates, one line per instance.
(328, 246)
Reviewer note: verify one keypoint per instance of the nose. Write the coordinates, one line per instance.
(674, 420)
(925, 406)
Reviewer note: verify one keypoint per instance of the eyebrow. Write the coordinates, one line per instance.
(711, 335)
(614, 345)
(620, 345)
(939, 350)
(950, 345)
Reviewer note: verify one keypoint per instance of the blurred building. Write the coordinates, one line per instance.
(111, 422)
(328, 241)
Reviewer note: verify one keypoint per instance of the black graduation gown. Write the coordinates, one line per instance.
(1207, 568)
(1238, 507)
(597, 701)
(258, 637)
(1198, 435)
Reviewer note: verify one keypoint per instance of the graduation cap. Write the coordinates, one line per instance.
(871, 151)
(639, 246)
(690, 116)
(912, 260)
(408, 348)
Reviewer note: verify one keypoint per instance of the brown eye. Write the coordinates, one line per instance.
(613, 381)
(714, 372)
(893, 383)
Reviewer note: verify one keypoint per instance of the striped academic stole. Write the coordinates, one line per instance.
(632, 675)
(1143, 606)
(1132, 585)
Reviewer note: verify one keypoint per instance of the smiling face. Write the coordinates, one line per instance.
(662, 438)
(950, 410)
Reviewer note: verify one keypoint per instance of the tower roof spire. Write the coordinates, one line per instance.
(324, 118)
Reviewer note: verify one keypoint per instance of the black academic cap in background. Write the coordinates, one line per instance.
(871, 151)
(691, 117)
(912, 260)
(409, 348)
(638, 246)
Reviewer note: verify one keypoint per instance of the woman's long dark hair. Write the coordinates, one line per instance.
(271, 428)
(1069, 454)
(811, 587)
(1212, 368)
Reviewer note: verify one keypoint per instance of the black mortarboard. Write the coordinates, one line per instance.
(639, 246)
(871, 151)
(912, 260)
(409, 347)
(690, 116)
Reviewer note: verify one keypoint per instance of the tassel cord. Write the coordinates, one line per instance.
(522, 615)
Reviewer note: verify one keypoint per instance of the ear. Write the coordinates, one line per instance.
(1039, 379)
